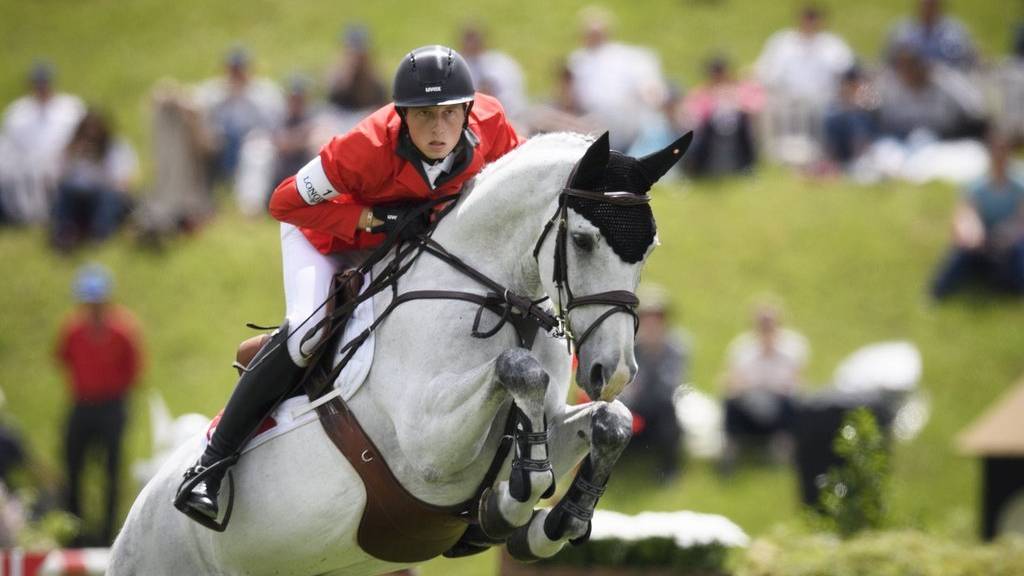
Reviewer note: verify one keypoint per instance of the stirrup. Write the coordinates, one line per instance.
(196, 474)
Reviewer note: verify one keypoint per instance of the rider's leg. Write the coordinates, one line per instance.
(276, 368)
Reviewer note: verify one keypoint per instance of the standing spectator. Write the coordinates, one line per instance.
(36, 129)
(97, 173)
(721, 113)
(620, 85)
(850, 122)
(988, 230)
(562, 113)
(99, 349)
(804, 63)
(236, 104)
(293, 139)
(353, 84)
(765, 370)
(937, 37)
(918, 95)
(180, 197)
(663, 358)
(494, 72)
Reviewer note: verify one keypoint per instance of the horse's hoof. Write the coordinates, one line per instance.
(492, 522)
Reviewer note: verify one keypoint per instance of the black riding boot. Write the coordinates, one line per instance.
(269, 376)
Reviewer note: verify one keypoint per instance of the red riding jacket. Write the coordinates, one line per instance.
(374, 163)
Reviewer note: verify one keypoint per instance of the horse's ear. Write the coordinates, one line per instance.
(657, 164)
(592, 165)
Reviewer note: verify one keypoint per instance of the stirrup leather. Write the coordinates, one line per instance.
(196, 474)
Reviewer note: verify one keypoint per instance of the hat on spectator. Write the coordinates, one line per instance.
(237, 57)
(93, 284)
(356, 37)
(41, 72)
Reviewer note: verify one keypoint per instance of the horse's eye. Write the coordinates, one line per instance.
(584, 242)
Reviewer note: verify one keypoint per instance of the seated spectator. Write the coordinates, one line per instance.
(233, 106)
(36, 129)
(353, 84)
(662, 357)
(494, 72)
(721, 113)
(918, 96)
(563, 113)
(663, 129)
(765, 371)
(937, 37)
(988, 230)
(620, 86)
(97, 174)
(850, 121)
(804, 63)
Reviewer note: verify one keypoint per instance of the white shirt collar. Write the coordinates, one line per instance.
(434, 170)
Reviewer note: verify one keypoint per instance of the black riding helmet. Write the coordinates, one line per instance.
(432, 76)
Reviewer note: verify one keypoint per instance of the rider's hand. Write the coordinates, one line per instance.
(392, 215)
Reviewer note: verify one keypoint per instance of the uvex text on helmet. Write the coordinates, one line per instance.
(432, 76)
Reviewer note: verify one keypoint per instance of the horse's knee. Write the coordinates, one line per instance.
(520, 372)
(611, 430)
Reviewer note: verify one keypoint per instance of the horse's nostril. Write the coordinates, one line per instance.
(597, 375)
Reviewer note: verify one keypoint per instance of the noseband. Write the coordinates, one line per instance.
(622, 301)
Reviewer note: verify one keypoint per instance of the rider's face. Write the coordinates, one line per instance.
(435, 130)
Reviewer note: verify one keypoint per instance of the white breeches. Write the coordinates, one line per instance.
(307, 283)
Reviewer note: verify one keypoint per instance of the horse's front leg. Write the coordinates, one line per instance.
(610, 428)
(510, 504)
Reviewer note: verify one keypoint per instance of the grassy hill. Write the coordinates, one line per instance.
(850, 262)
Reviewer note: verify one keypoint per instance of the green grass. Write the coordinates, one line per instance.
(851, 263)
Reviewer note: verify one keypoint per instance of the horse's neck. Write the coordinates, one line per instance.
(495, 228)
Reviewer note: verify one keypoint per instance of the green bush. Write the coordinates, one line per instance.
(853, 497)
(886, 553)
(646, 553)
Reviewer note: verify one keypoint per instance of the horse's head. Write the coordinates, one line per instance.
(602, 235)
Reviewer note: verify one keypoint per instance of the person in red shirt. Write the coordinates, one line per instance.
(99, 348)
(436, 134)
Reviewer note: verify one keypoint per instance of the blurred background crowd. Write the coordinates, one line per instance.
(926, 105)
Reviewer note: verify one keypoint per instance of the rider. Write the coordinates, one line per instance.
(437, 134)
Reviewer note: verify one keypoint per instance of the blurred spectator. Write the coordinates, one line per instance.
(36, 129)
(928, 97)
(1008, 78)
(236, 104)
(292, 141)
(663, 129)
(851, 125)
(180, 196)
(765, 371)
(353, 84)
(99, 349)
(721, 113)
(619, 85)
(662, 357)
(97, 172)
(937, 37)
(804, 63)
(988, 229)
(494, 72)
(563, 113)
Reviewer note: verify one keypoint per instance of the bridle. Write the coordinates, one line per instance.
(620, 301)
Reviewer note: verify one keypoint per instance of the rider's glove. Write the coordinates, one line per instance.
(400, 214)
